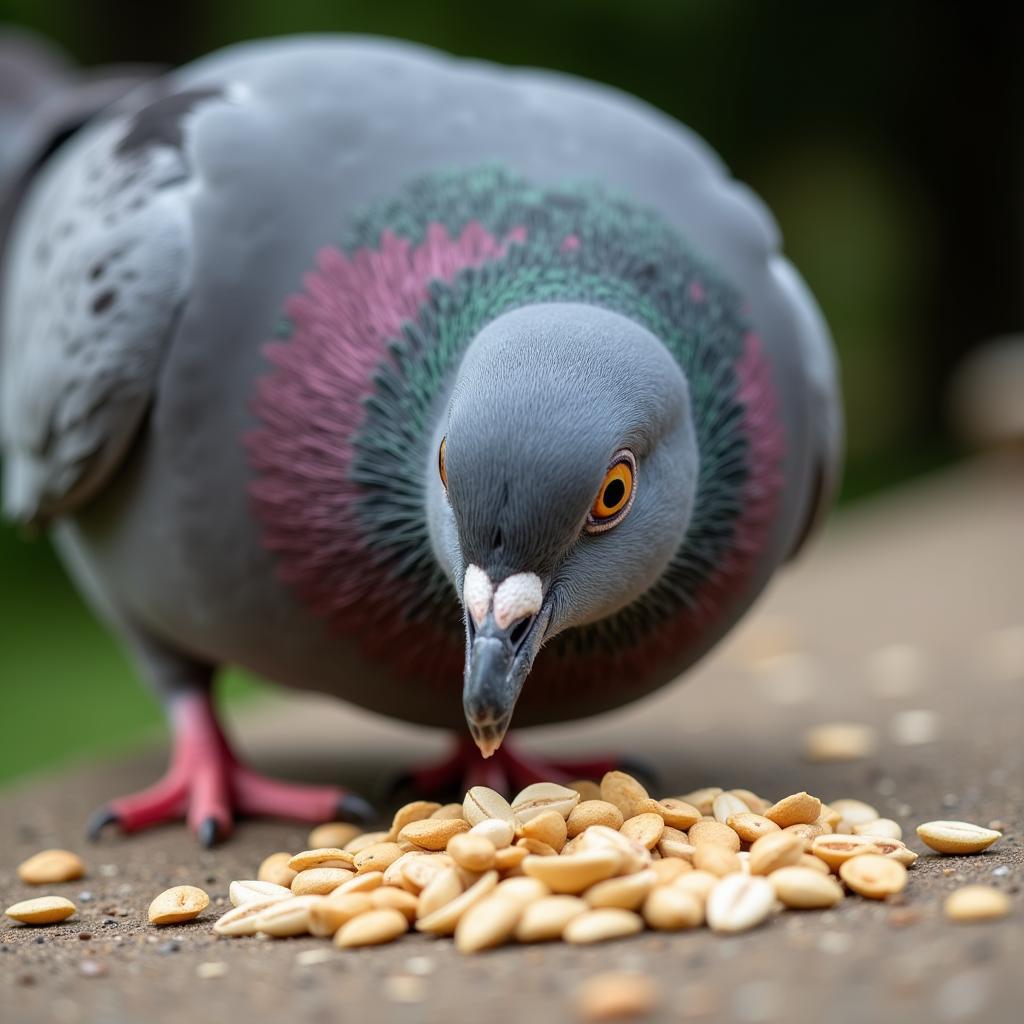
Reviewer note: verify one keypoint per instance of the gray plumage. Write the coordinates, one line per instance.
(150, 264)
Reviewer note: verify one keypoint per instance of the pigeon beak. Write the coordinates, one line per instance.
(497, 664)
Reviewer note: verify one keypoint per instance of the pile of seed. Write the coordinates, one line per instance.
(582, 863)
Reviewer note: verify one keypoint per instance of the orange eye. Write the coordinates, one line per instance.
(615, 495)
(440, 463)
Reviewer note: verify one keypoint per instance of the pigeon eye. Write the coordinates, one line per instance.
(615, 495)
(440, 463)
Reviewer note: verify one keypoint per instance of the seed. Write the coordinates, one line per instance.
(836, 850)
(50, 866)
(627, 892)
(248, 891)
(697, 883)
(41, 910)
(671, 909)
(541, 797)
(498, 831)
(618, 995)
(702, 799)
(444, 920)
(894, 848)
(418, 810)
(957, 836)
(444, 887)
(879, 827)
(433, 833)
(334, 834)
(593, 812)
(675, 844)
(573, 873)
(523, 889)
(285, 918)
(750, 827)
(808, 860)
(549, 827)
(725, 805)
(808, 833)
(775, 850)
(829, 816)
(805, 889)
(378, 857)
(488, 923)
(840, 741)
(448, 811)
(325, 857)
(319, 881)
(546, 919)
(482, 803)
(874, 876)
(678, 813)
(510, 858)
(851, 813)
(365, 839)
(536, 847)
(241, 920)
(752, 800)
(474, 853)
(275, 869)
(325, 917)
(668, 869)
(180, 903)
(717, 859)
(372, 929)
(707, 831)
(798, 809)
(625, 792)
(420, 871)
(366, 882)
(587, 789)
(395, 899)
(633, 856)
(740, 902)
(645, 829)
(976, 903)
(601, 925)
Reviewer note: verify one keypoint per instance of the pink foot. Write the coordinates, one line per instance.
(206, 785)
(507, 770)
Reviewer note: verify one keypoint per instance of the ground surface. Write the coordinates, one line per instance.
(940, 567)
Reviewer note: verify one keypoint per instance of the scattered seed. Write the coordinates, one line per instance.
(488, 923)
(211, 969)
(418, 810)
(541, 797)
(319, 881)
(250, 891)
(879, 827)
(645, 828)
(242, 919)
(180, 903)
(285, 918)
(325, 857)
(750, 827)
(670, 909)
(840, 741)
(497, 830)
(836, 850)
(549, 828)
(798, 809)
(775, 850)
(433, 833)
(275, 869)
(616, 995)
(334, 834)
(805, 889)
(957, 836)
(51, 866)
(627, 891)
(976, 903)
(711, 831)
(482, 803)
(41, 910)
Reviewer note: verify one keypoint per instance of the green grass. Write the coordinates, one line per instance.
(66, 687)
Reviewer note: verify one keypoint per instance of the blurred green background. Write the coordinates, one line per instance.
(885, 138)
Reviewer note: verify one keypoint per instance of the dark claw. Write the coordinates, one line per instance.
(100, 820)
(352, 807)
(208, 832)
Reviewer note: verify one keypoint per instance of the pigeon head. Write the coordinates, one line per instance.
(561, 483)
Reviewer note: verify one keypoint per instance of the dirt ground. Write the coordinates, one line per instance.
(939, 567)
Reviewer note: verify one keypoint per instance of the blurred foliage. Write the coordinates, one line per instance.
(886, 139)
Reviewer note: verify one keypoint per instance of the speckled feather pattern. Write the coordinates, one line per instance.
(375, 336)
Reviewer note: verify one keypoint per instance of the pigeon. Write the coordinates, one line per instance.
(452, 390)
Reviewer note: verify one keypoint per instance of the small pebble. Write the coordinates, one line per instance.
(1001, 872)
(312, 957)
(169, 947)
(92, 968)
(108, 870)
(85, 936)
(26, 979)
(85, 896)
(420, 965)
